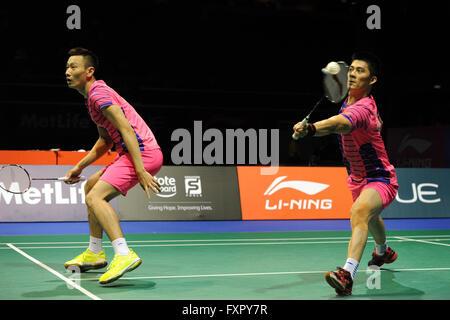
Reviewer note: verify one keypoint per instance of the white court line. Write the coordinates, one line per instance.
(200, 244)
(194, 240)
(423, 241)
(68, 281)
(231, 240)
(65, 247)
(398, 239)
(206, 244)
(424, 236)
(265, 274)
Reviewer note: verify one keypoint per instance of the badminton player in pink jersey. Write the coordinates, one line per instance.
(371, 178)
(139, 159)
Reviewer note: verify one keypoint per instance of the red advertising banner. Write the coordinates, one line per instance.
(294, 193)
(50, 157)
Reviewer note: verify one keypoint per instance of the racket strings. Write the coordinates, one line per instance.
(14, 179)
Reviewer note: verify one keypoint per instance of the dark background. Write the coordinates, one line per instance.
(230, 63)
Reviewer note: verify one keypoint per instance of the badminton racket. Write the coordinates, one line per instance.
(16, 179)
(334, 87)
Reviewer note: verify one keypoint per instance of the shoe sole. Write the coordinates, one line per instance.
(87, 267)
(136, 263)
(335, 283)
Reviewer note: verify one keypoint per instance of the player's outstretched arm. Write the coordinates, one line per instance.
(335, 125)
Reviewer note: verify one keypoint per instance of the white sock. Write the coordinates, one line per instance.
(120, 247)
(351, 265)
(380, 249)
(95, 244)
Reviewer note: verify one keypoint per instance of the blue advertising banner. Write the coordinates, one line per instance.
(423, 193)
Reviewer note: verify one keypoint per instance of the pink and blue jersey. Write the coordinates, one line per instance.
(363, 150)
(101, 96)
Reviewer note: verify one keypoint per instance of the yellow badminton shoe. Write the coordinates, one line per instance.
(120, 265)
(88, 260)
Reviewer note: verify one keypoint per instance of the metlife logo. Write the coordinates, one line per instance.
(51, 193)
(48, 200)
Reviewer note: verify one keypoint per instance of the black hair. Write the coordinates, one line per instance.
(91, 59)
(372, 60)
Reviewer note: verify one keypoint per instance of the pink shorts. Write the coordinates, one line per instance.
(387, 191)
(121, 173)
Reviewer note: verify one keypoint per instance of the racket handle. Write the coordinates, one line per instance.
(296, 135)
(81, 178)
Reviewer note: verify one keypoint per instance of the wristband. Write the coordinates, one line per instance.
(311, 130)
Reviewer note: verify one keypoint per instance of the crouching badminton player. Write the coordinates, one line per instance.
(139, 159)
(371, 178)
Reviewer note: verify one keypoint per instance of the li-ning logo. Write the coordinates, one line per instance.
(193, 186)
(306, 187)
(420, 145)
(310, 188)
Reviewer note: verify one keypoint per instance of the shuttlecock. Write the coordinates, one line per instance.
(332, 68)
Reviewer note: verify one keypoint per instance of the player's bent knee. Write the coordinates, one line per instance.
(90, 183)
(360, 217)
(90, 199)
(99, 191)
(87, 187)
